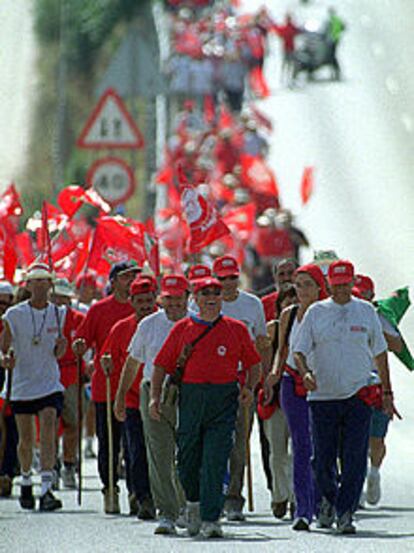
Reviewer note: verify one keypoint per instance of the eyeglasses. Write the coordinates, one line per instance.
(214, 292)
(230, 277)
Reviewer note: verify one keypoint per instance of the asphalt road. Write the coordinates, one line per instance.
(359, 136)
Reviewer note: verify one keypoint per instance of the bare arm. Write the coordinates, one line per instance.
(395, 343)
(5, 338)
(128, 375)
(305, 372)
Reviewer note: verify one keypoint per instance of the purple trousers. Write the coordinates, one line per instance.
(297, 413)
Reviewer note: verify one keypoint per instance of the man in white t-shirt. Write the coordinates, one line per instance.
(159, 435)
(248, 309)
(33, 329)
(344, 335)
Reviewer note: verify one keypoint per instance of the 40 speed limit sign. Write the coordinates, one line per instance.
(113, 179)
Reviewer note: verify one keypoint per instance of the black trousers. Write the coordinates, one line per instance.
(103, 449)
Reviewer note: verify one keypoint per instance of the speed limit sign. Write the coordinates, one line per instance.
(113, 179)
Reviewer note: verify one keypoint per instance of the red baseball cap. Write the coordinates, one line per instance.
(207, 282)
(363, 284)
(174, 285)
(226, 266)
(87, 279)
(340, 272)
(198, 271)
(143, 284)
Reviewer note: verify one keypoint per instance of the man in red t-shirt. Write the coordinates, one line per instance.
(209, 399)
(283, 274)
(93, 332)
(62, 295)
(114, 353)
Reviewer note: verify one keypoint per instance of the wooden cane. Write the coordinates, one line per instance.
(250, 505)
(80, 425)
(3, 424)
(110, 440)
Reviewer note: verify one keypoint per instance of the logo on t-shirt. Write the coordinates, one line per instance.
(357, 328)
(222, 350)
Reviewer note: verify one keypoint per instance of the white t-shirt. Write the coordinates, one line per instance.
(248, 309)
(149, 336)
(36, 373)
(343, 340)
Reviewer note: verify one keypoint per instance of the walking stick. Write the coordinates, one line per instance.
(3, 425)
(80, 425)
(110, 441)
(250, 505)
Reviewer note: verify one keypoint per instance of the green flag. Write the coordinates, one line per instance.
(393, 309)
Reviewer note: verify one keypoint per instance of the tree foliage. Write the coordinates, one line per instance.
(81, 28)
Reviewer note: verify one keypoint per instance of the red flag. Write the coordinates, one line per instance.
(9, 259)
(241, 221)
(71, 198)
(24, 245)
(307, 184)
(203, 220)
(116, 239)
(44, 237)
(10, 203)
(258, 176)
(261, 119)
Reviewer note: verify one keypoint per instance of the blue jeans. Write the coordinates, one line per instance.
(340, 430)
(135, 455)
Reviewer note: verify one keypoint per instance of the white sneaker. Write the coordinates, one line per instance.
(166, 527)
(234, 515)
(181, 521)
(211, 530)
(373, 488)
(192, 515)
(68, 477)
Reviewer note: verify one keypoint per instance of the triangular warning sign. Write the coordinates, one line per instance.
(110, 126)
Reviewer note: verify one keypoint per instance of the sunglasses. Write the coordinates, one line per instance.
(231, 277)
(214, 292)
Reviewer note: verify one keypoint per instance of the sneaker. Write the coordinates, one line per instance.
(68, 477)
(6, 485)
(48, 502)
(146, 509)
(111, 502)
(192, 516)
(133, 504)
(181, 521)
(166, 527)
(279, 509)
(89, 452)
(326, 515)
(373, 488)
(301, 524)
(235, 515)
(211, 530)
(344, 524)
(26, 498)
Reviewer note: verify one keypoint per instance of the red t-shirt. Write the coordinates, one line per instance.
(215, 359)
(117, 344)
(67, 363)
(98, 322)
(269, 306)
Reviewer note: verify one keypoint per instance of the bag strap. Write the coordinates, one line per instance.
(188, 350)
(292, 317)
